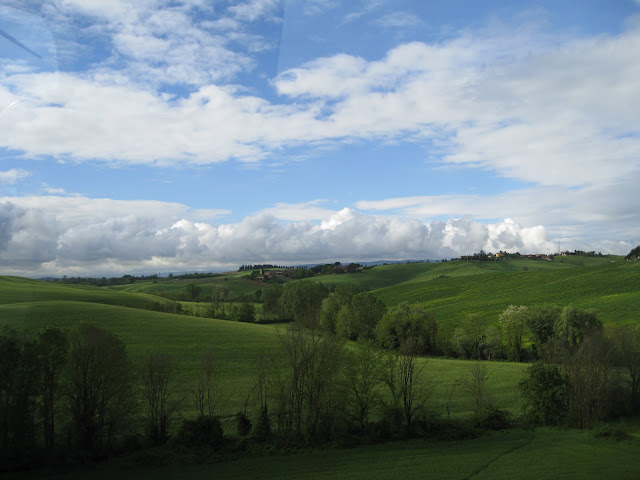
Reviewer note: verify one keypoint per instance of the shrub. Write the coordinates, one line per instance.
(243, 424)
(202, 431)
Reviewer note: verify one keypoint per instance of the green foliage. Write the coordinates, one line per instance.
(272, 300)
(100, 391)
(634, 253)
(203, 431)
(408, 323)
(575, 324)
(513, 322)
(340, 297)
(541, 321)
(545, 391)
(302, 301)
(243, 424)
(359, 317)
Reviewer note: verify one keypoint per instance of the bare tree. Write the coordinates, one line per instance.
(207, 394)
(158, 383)
(53, 347)
(475, 386)
(363, 375)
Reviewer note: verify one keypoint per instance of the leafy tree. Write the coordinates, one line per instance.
(359, 318)
(272, 301)
(303, 301)
(634, 253)
(541, 321)
(592, 381)
(19, 380)
(512, 322)
(408, 324)
(545, 390)
(193, 291)
(574, 325)
(246, 313)
(100, 393)
(331, 305)
(626, 344)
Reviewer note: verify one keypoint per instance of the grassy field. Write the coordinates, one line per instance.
(22, 290)
(238, 285)
(239, 350)
(612, 289)
(536, 455)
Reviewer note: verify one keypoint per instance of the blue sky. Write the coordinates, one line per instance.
(158, 136)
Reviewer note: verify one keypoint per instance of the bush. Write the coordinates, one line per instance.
(545, 390)
(492, 419)
(243, 424)
(614, 432)
(202, 431)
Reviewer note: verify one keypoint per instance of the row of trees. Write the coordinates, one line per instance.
(580, 383)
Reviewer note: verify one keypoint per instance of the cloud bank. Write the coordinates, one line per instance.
(80, 236)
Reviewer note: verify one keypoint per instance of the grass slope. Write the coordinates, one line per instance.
(238, 285)
(21, 290)
(239, 349)
(613, 289)
(540, 454)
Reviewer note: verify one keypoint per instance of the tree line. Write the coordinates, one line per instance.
(72, 396)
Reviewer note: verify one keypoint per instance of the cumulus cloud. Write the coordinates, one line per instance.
(12, 176)
(56, 235)
(527, 105)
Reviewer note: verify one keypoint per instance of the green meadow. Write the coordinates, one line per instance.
(522, 454)
(452, 290)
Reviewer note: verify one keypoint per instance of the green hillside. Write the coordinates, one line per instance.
(613, 289)
(21, 290)
(238, 285)
(238, 347)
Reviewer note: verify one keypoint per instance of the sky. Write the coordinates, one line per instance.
(157, 136)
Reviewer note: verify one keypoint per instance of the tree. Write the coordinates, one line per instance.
(303, 301)
(193, 291)
(475, 386)
(592, 381)
(331, 305)
(408, 324)
(359, 317)
(626, 343)
(100, 393)
(19, 380)
(575, 324)
(363, 375)
(306, 390)
(246, 313)
(207, 395)
(53, 348)
(513, 321)
(272, 301)
(158, 388)
(545, 390)
(541, 320)
(412, 387)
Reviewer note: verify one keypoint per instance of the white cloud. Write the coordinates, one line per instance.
(13, 176)
(65, 235)
(399, 20)
(253, 9)
(525, 105)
